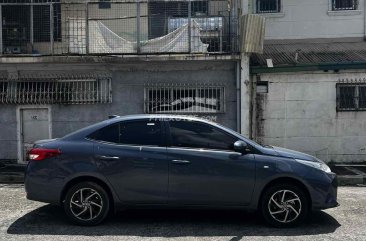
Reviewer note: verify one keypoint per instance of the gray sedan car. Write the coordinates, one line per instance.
(174, 161)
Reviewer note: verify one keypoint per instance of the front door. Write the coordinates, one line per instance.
(34, 126)
(131, 155)
(204, 169)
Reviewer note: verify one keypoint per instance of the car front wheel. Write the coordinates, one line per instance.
(86, 203)
(284, 205)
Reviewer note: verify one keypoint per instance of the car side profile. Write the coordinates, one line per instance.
(174, 161)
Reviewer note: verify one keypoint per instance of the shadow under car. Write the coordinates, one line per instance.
(51, 220)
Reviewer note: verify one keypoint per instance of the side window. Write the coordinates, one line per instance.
(198, 135)
(147, 133)
(109, 134)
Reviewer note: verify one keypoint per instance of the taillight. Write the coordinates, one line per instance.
(39, 154)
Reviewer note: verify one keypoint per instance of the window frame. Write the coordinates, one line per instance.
(41, 23)
(356, 97)
(119, 123)
(169, 137)
(196, 89)
(41, 20)
(278, 12)
(332, 6)
(75, 91)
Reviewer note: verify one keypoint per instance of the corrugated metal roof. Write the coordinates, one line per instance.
(289, 53)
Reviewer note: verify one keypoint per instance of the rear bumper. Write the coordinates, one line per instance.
(41, 193)
(39, 186)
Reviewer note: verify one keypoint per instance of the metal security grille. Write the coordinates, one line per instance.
(82, 91)
(184, 99)
(351, 97)
(344, 5)
(268, 6)
(30, 26)
(102, 27)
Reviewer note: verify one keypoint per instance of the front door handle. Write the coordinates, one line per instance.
(108, 157)
(181, 162)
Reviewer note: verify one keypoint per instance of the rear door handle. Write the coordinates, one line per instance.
(108, 157)
(181, 162)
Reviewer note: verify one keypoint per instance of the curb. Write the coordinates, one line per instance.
(354, 180)
(358, 178)
(12, 173)
(11, 177)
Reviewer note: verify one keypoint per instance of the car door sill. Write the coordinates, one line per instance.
(183, 206)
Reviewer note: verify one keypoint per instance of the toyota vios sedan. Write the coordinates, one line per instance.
(170, 161)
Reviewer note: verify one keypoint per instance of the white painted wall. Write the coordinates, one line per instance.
(312, 19)
(299, 112)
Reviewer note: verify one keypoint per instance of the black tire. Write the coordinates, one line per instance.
(92, 210)
(284, 215)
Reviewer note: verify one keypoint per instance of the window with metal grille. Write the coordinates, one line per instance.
(104, 4)
(184, 99)
(351, 97)
(338, 5)
(161, 11)
(84, 91)
(17, 26)
(268, 6)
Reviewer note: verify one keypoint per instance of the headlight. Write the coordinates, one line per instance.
(318, 165)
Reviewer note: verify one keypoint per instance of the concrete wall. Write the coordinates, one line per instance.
(128, 82)
(299, 112)
(313, 19)
(8, 133)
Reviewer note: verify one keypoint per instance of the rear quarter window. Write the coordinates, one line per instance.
(140, 133)
(108, 134)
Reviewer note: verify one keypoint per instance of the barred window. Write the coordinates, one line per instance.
(351, 97)
(184, 99)
(16, 22)
(84, 91)
(104, 4)
(339, 5)
(268, 6)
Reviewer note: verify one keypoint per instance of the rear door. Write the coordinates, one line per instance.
(204, 169)
(132, 156)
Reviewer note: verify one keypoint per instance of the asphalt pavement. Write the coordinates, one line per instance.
(21, 219)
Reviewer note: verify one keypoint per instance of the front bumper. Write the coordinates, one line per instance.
(324, 191)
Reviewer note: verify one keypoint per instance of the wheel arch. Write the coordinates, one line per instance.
(286, 180)
(96, 180)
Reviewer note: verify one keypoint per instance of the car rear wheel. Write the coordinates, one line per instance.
(284, 205)
(86, 203)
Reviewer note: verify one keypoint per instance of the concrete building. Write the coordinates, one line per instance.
(310, 83)
(68, 64)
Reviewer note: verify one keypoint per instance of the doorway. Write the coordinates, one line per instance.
(34, 123)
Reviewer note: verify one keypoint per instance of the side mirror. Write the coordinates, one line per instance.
(241, 147)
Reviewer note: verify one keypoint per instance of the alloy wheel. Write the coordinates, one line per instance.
(284, 206)
(86, 204)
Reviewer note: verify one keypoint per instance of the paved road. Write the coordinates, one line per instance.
(21, 219)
